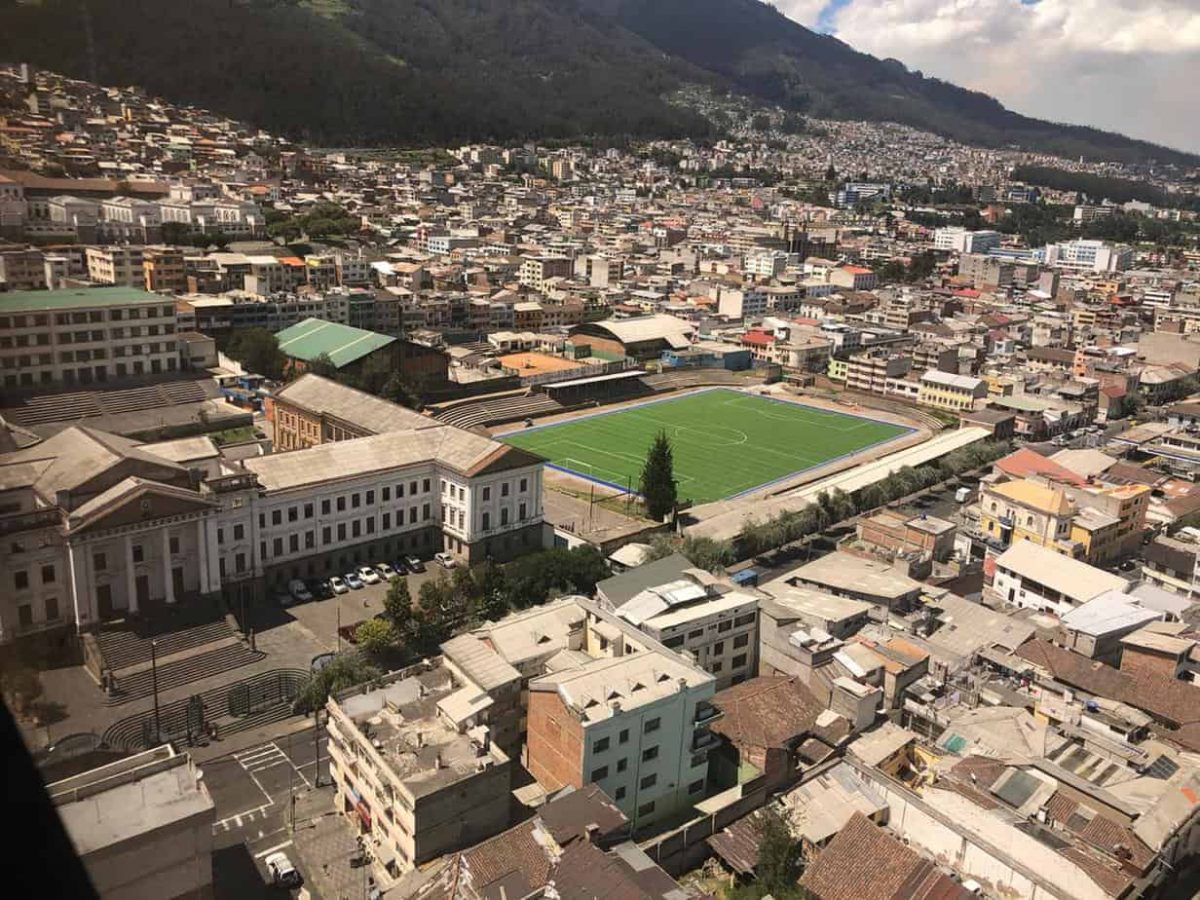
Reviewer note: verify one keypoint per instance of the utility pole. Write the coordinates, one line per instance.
(338, 607)
(317, 743)
(154, 688)
(291, 786)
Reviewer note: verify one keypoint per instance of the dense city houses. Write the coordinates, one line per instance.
(353, 450)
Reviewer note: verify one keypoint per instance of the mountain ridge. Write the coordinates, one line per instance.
(370, 72)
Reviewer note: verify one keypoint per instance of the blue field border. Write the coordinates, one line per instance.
(750, 490)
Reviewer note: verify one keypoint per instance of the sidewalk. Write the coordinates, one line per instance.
(243, 740)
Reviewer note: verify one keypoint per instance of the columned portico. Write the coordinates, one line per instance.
(167, 569)
(130, 576)
(81, 588)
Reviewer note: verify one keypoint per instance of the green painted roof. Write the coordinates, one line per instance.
(341, 343)
(75, 298)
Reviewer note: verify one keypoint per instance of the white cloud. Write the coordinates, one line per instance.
(1125, 65)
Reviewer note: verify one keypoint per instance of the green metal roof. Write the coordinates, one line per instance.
(76, 298)
(341, 343)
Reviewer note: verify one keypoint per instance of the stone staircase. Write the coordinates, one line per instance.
(42, 408)
(136, 732)
(128, 644)
(138, 681)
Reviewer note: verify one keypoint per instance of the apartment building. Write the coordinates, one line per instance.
(1026, 510)
(869, 371)
(142, 826)
(694, 613)
(85, 336)
(116, 265)
(22, 269)
(960, 240)
(1034, 577)
(1089, 256)
(1171, 562)
(536, 271)
(164, 270)
(632, 720)
(414, 767)
(957, 393)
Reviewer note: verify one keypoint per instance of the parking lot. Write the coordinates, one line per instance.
(323, 618)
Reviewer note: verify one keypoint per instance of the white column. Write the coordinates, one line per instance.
(80, 591)
(130, 577)
(202, 552)
(168, 581)
(214, 554)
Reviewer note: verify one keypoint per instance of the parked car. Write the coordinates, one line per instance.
(283, 873)
(414, 564)
(338, 585)
(368, 575)
(299, 590)
(353, 580)
(445, 560)
(285, 599)
(386, 572)
(320, 589)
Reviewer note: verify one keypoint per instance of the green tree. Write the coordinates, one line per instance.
(375, 637)
(778, 867)
(258, 351)
(658, 478)
(21, 687)
(322, 365)
(344, 671)
(493, 596)
(397, 607)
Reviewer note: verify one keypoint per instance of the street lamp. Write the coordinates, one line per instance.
(154, 687)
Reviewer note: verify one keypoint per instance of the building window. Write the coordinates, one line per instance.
(650, 753)
(648, 781)
(696, 786)
(600, 745)
(25, 615)
(600, 774)
(716, 667)
(399, 491)
(504, 517)
(646, 808)
(741, 640)
(623, 738)
(341, 504)
(276, 517)
(652, 725)
(725, 626)
(504, 489)
(718, 648)
(326, 535)
(487, 494)
(412, 487)
(138, 555)
(744, 620)
(425, 488)
(173, 543)
(21, 580)
(51, 609)
(99, 562)
(308, 510)
(293, 543)
(739, 661)
(619, 794)
(698, 759)
(47, 574)
(355, 501)
(324, 507)
(674, 642)
(622, 764)
(239, 532)
(293, 513)
(277, 546)
(693, 635)
(387, 521)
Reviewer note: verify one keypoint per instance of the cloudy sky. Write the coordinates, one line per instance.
(1126, 65)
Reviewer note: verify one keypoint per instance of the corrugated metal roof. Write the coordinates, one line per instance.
(343, 344)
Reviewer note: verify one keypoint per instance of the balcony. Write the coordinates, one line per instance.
(704, 741)
(706, 713)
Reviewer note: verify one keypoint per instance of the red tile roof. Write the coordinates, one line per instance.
(1025, 462)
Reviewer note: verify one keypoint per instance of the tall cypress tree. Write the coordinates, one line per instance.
(658, 478)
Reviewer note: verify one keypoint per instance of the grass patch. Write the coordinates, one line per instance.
(725, 442)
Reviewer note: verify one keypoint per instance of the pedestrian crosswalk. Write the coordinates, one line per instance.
(260, 758)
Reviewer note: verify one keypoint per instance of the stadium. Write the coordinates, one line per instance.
(727, 442)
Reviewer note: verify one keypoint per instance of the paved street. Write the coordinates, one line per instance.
(257, 792)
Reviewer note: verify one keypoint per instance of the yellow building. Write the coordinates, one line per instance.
(838, 369)
(952, 392)
(1111, 520)
(1028, 510)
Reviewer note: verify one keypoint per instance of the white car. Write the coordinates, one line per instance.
(445, 560)
(386, 572)
(299, 590)
(282, 872)
(338, 586)
(368, 575)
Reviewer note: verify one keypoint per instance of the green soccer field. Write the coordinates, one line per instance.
(725, 442)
